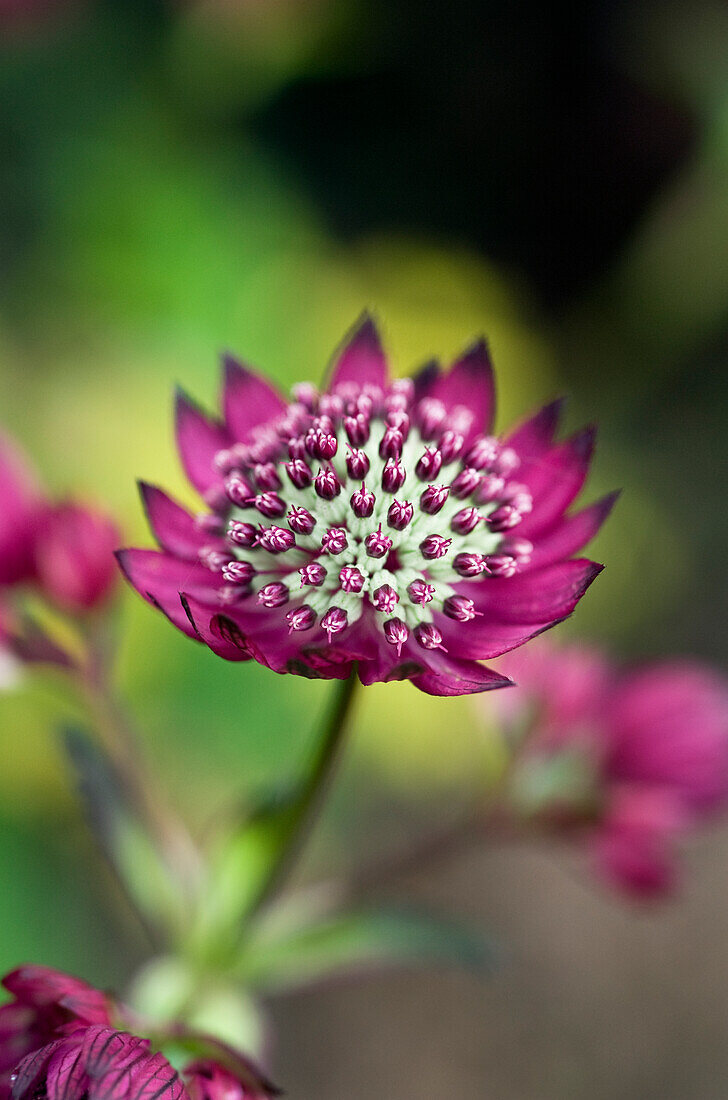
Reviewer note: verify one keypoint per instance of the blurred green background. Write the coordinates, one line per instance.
(181, 178)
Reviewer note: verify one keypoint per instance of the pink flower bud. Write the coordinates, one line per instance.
(396, 633)
(393, 476)
(466, 482)
(385, 599)
(428, 636)
(420, 592)
(273, 595)
(276, 540)
(299, 473)
(327, 484)
(400, 514)
(469, 565)
(357, 464)
(74, 557)
(334, 540)
(429, 464)
(378, 544)
(465, 521)
(334, 621)
(351, 578)
(300, 618)
(300, 520)
(270, 505)
(459, 608)
(242, 534)
(362, 502)
(238, 572)
(313, 574)
(433, 498)
(434, 546)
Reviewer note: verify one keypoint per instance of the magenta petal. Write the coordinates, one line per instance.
(219, 631)
(66, 1074)
(199, 438)
(361, 359)
(41, 986)
(470, 383)
(632, 848)
(555, 481)
(484, 638)
(172, 525)
(669, 727)
(153, 1078)
(426, 378)
(159, 578)
(540, 596)
(118, 1065)
(449, 676)
(571, 534)
(247, 400)
(30, 1070)
(536, 434)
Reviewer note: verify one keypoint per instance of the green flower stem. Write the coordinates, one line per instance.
(301, 812)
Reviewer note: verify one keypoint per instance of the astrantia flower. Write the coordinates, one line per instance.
(60, 1039)
(632, 759)
(63, 549)
(377, 523)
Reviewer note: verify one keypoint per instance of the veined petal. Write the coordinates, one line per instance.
(30, 1071)
(66, 1075)
(199, 438)
(361, 358)
(247, 400)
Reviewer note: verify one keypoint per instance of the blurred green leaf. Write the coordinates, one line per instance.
(239, 868)
(364, 940)
(126, 843)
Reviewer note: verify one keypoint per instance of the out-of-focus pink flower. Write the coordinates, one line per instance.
(63, 1040)
(375, 524)
(21, 510)
(75, 557)
(653, 743)
(65, 550)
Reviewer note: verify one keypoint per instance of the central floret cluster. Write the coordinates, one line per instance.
(366, 496)
(374, 524)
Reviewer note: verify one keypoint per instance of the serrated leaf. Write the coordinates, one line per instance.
(362, 940)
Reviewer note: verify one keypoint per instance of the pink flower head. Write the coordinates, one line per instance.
(656, 742)
(63, 1040)
(354, 463)
(66, 550)
(75, 556)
